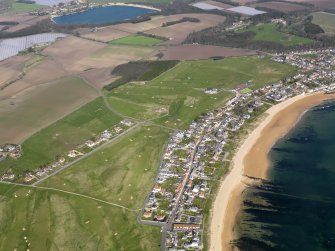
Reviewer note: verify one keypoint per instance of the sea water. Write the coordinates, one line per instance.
(295, 209)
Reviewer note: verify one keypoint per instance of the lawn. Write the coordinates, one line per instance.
(180, 90)
(122, 172)
(246, 90)
(268, 32)
(325, 20)
(136, 40)
(23, 7)
(79, 126)
(36, 108)
(49, 220)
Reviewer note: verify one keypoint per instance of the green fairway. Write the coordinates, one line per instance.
(325, 20)
(180, 91)
(44, 146)
(268, 32)
(23, 7)
(122, 172)
(38, 219)
(136, 40)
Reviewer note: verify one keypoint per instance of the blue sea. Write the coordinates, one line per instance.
(102, 15)
(295, 209)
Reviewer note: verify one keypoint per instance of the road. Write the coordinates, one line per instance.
(86, 155)
(71, 193)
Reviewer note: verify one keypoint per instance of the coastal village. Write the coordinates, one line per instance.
(193, 158)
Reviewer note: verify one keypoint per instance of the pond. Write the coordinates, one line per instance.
(102, 15)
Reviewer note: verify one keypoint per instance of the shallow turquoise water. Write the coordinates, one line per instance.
(102, 15)
(295, 210)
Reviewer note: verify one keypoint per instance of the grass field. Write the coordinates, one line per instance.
(62, 136)
(325, 20)
(122, 172)
(136, 40)
(35, 108)
(23, 7)
(49, 220)
(268, 32)
(180, 90)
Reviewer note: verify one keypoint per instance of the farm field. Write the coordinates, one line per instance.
(281, 6)
(177, 96)
(268, 32)
(39, 219)
(23, 7)
(325, 20)
(114, 172)
(194, 52)
(137, 40)
(63, 135)
(26, 113)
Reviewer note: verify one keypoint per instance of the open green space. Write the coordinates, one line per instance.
(325, 20)
(177, 97)
(136, 40)
(268, 32)
(123, 172)
(24, 7)
(246, 90)
(38, 219)
(79, 126)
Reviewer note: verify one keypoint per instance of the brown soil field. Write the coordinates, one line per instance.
(25, 20)
(107, 34)
(11, 68)
(178, 32)
(243, 2)
(26, 113)
(318, 3)
(281, 6)
(113, 55)
(99, 77)
(218, 4)
(45, 72)
(193, 52)
(69, 51)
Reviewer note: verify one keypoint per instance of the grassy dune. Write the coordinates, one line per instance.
(121, 173)
(177, 97)
(44, 220)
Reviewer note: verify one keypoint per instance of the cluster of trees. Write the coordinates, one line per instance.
(299, 24)
(26, 1)
(182, 20)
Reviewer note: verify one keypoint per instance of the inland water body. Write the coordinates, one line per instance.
(295, 209)
(103, 15)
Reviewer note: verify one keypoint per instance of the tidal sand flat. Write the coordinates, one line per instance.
(278, 121)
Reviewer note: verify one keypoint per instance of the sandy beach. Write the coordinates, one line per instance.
(278, 121)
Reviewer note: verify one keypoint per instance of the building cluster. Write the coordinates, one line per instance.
(193, 158)
(64, 159)
(13, 151)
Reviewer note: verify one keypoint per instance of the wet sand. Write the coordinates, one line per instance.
(251, 159)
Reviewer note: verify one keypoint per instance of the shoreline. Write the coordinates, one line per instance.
(279, 119)
(141, 6)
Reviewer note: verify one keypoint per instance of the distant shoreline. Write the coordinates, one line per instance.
(279, 120)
